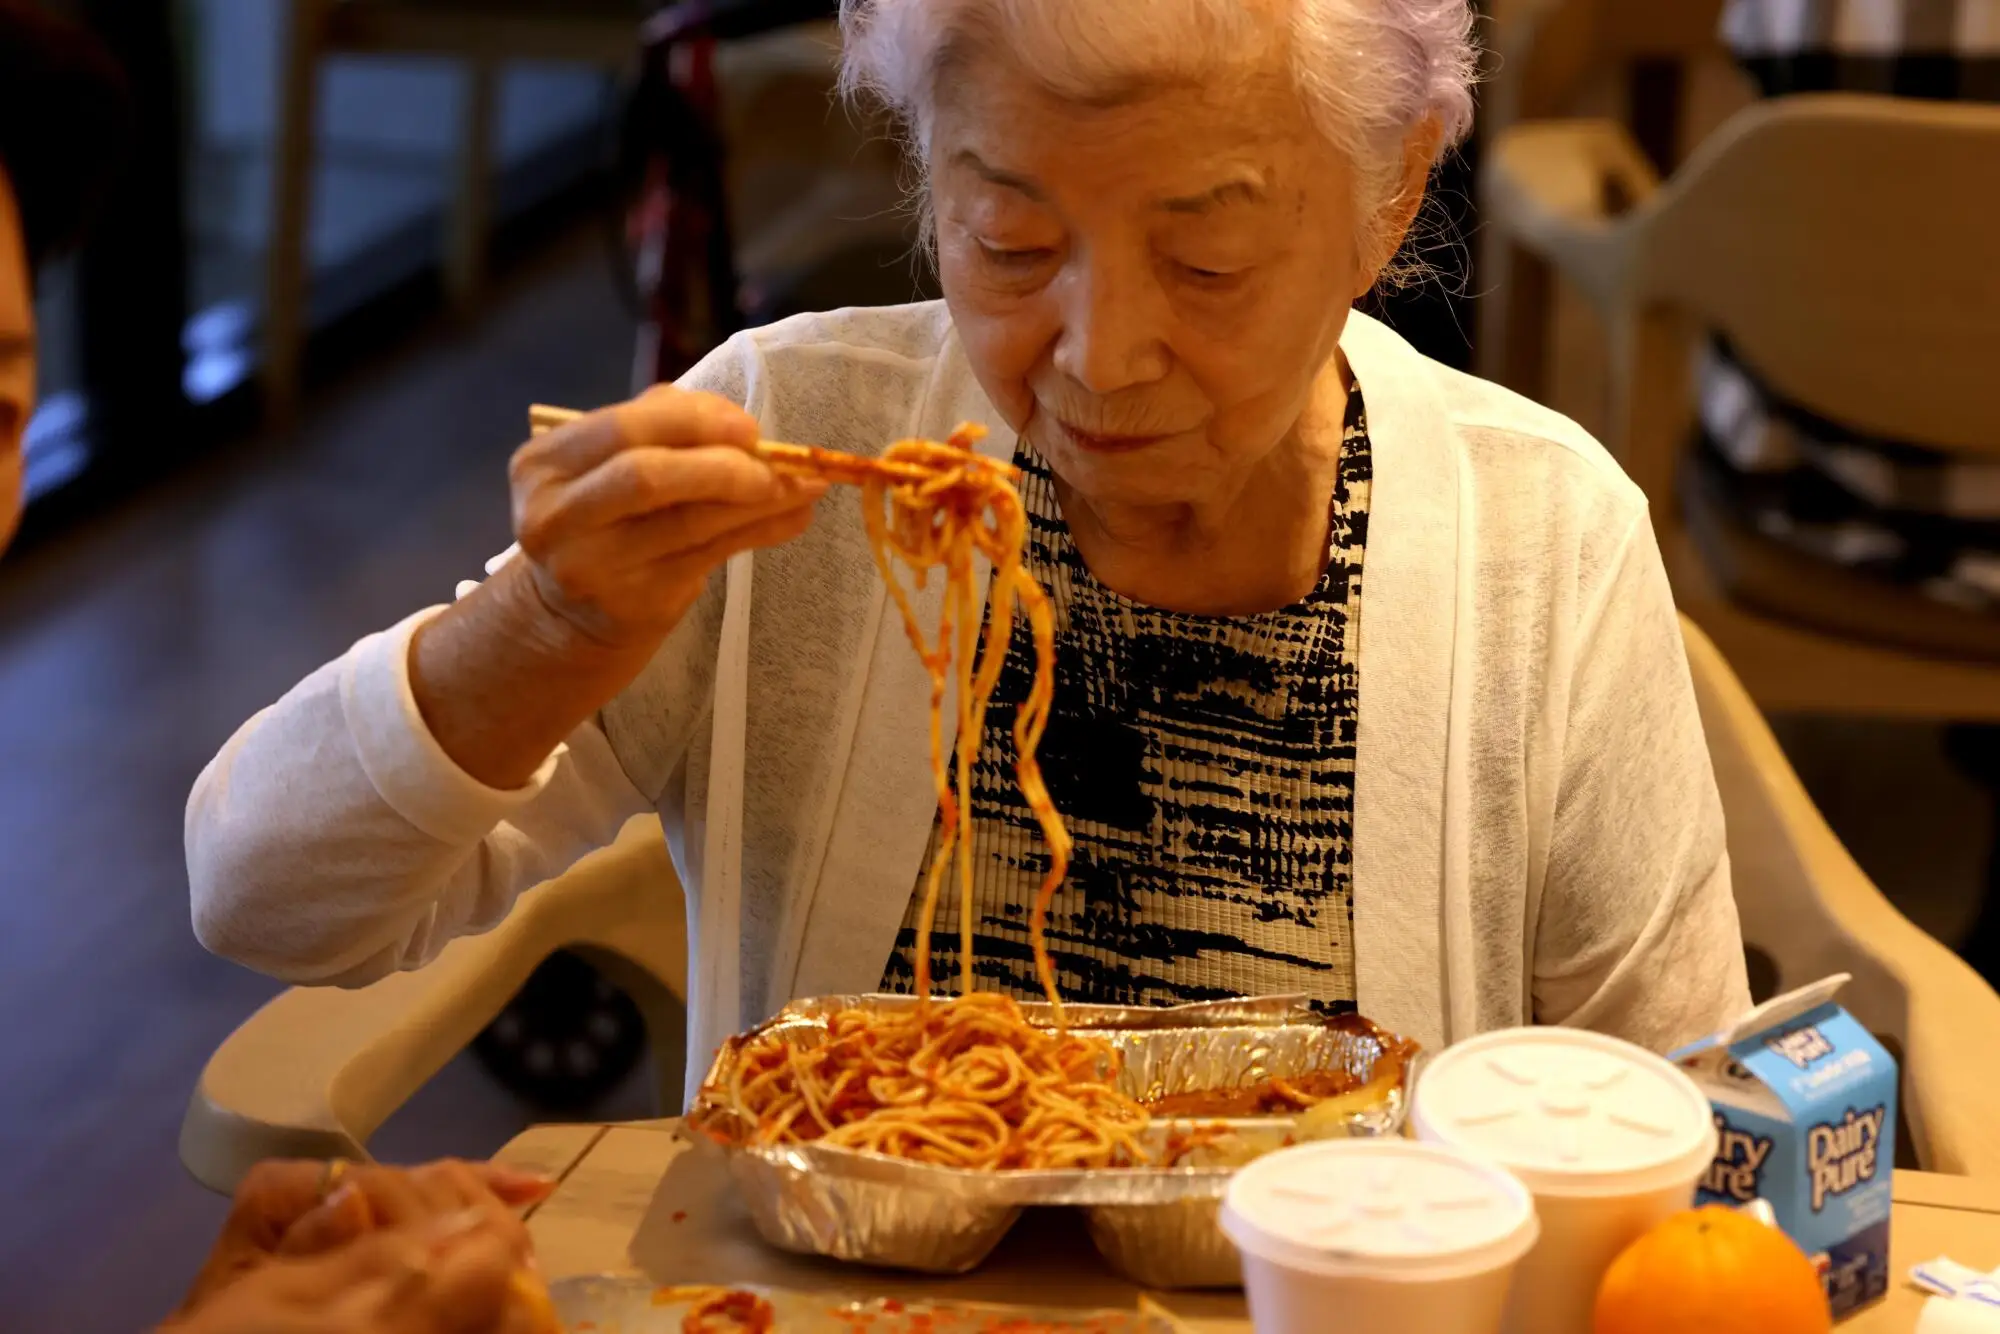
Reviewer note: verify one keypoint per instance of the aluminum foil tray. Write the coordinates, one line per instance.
(1156, 1225)
(623, 1305)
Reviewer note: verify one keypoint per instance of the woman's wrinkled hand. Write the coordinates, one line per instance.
(296, 1208)
(624, 514)
(456, 1274)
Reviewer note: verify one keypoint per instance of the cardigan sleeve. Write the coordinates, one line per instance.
(1637, 934)
(332, 839)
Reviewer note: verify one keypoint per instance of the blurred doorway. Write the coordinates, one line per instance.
(151, 331)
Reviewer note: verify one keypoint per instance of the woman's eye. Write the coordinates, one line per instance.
(1202, 277)
(1015, 257)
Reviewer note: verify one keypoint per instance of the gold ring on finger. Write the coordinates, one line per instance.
(330, 1176)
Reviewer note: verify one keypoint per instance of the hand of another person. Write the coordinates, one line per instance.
(624, 514)
(306, 1208)
(458, 1274)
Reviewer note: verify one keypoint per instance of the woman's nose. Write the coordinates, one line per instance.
(1112, 336)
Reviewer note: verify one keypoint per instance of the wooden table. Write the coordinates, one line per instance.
(630, 1201)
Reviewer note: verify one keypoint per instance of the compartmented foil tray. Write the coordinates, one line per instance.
(1156, 1225)
(623, 1305)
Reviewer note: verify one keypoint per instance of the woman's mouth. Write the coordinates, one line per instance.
(1096, 442)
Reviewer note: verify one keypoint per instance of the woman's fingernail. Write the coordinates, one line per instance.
(515, 1178)
(445, 1231)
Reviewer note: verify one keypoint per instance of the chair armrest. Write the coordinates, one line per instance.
(1779, 841)
(315, 1072)
(1571, 193)
(1952, 1087)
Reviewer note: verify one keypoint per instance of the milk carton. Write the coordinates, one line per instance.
(1805, 1112)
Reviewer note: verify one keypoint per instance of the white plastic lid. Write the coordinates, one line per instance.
(1568, 1111)
(1379, 1208)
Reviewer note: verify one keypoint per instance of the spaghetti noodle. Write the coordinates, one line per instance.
(967, 1082)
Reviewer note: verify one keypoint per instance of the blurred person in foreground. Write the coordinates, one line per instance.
(325, 1248)
(62, 124)
(1369, 684)
(309, 1248)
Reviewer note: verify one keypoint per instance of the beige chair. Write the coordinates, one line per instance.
(1659, 69)
(316, 1071)
(1558, 58)
(1830, 238)
(484, 33)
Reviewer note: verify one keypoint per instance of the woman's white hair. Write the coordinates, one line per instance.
(1369, 71)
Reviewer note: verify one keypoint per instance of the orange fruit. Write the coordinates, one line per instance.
(532, 1296)
(1712, 1271)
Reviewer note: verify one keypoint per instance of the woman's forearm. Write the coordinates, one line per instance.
(501, 681)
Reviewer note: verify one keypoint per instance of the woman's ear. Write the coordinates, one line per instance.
(1393, 221)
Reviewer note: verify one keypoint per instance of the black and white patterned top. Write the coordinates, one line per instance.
(1888, 508)
(1205, 767)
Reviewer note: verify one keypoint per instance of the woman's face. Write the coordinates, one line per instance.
(17, 357)
(1148, 290)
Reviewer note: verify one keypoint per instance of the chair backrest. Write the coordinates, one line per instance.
(1555, 58)
(1843, 243)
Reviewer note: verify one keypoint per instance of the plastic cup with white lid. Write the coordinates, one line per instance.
(1377, 1236)
(1609, 1137)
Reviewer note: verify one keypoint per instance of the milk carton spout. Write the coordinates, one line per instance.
(1781, 1010)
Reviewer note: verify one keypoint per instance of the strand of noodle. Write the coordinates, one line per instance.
(969, 745)
(960, 572)
(879, 543)
(1029, 724)
(796, 1063)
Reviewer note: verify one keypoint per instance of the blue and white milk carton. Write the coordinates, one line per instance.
(1805, 1111)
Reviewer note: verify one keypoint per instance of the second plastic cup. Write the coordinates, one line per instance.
(1609, 1137)
(1376, 1236)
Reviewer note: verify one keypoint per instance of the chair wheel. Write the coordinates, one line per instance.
(568, 1038)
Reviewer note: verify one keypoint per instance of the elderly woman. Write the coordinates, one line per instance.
(1369, 681)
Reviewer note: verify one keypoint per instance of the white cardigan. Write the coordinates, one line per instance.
(1537, 835)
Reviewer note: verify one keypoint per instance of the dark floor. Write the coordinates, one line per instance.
(128, 651)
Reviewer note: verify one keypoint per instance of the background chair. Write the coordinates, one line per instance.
(754, 193)
(1821, 236)
(1645, 65)
(1661, 71)
(483, 33)
(315, 1072)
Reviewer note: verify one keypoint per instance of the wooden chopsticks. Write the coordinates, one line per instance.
(832, 465)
